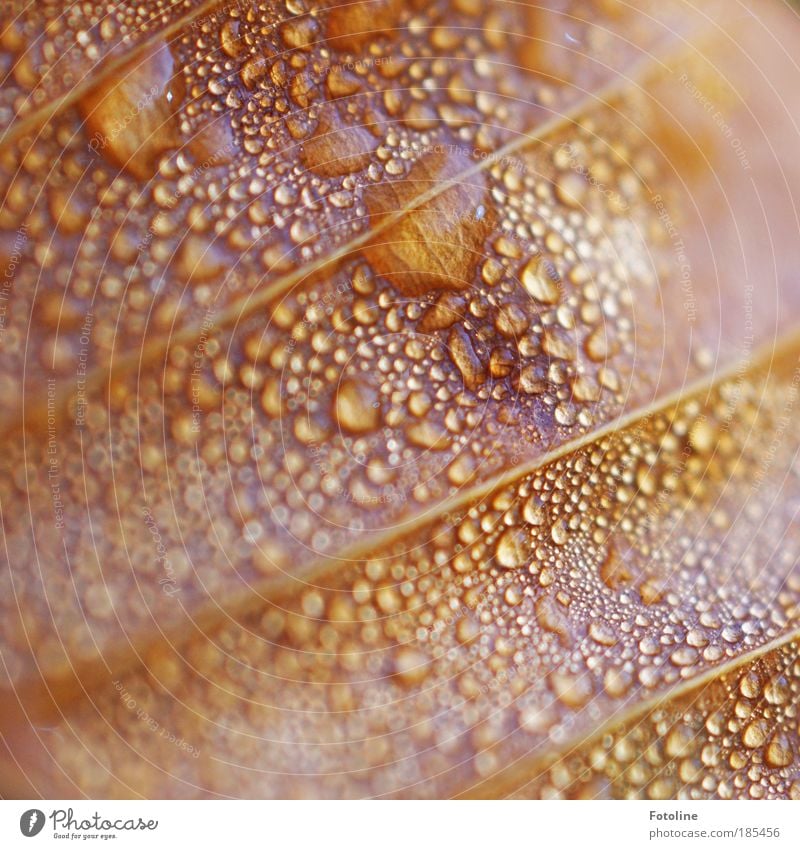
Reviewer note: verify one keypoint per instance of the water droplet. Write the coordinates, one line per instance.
(755, 734)
(512, 549)
(131, 117)
(573, 691)
(464, 356)
(541, 280)
(533, 511)
(684, 656)
(411, 667)
(602, 632)
(354, 407)
(777, 691)
(435, 245)
(779, 751)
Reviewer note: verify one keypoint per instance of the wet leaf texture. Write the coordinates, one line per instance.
(396, 395)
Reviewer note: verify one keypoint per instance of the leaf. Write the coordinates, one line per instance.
(576, 594)
(50, 57)
(378, 438)
(710, 742)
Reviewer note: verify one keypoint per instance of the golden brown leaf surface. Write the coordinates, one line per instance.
(734, 738)
(496, 635)
(346, 388)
